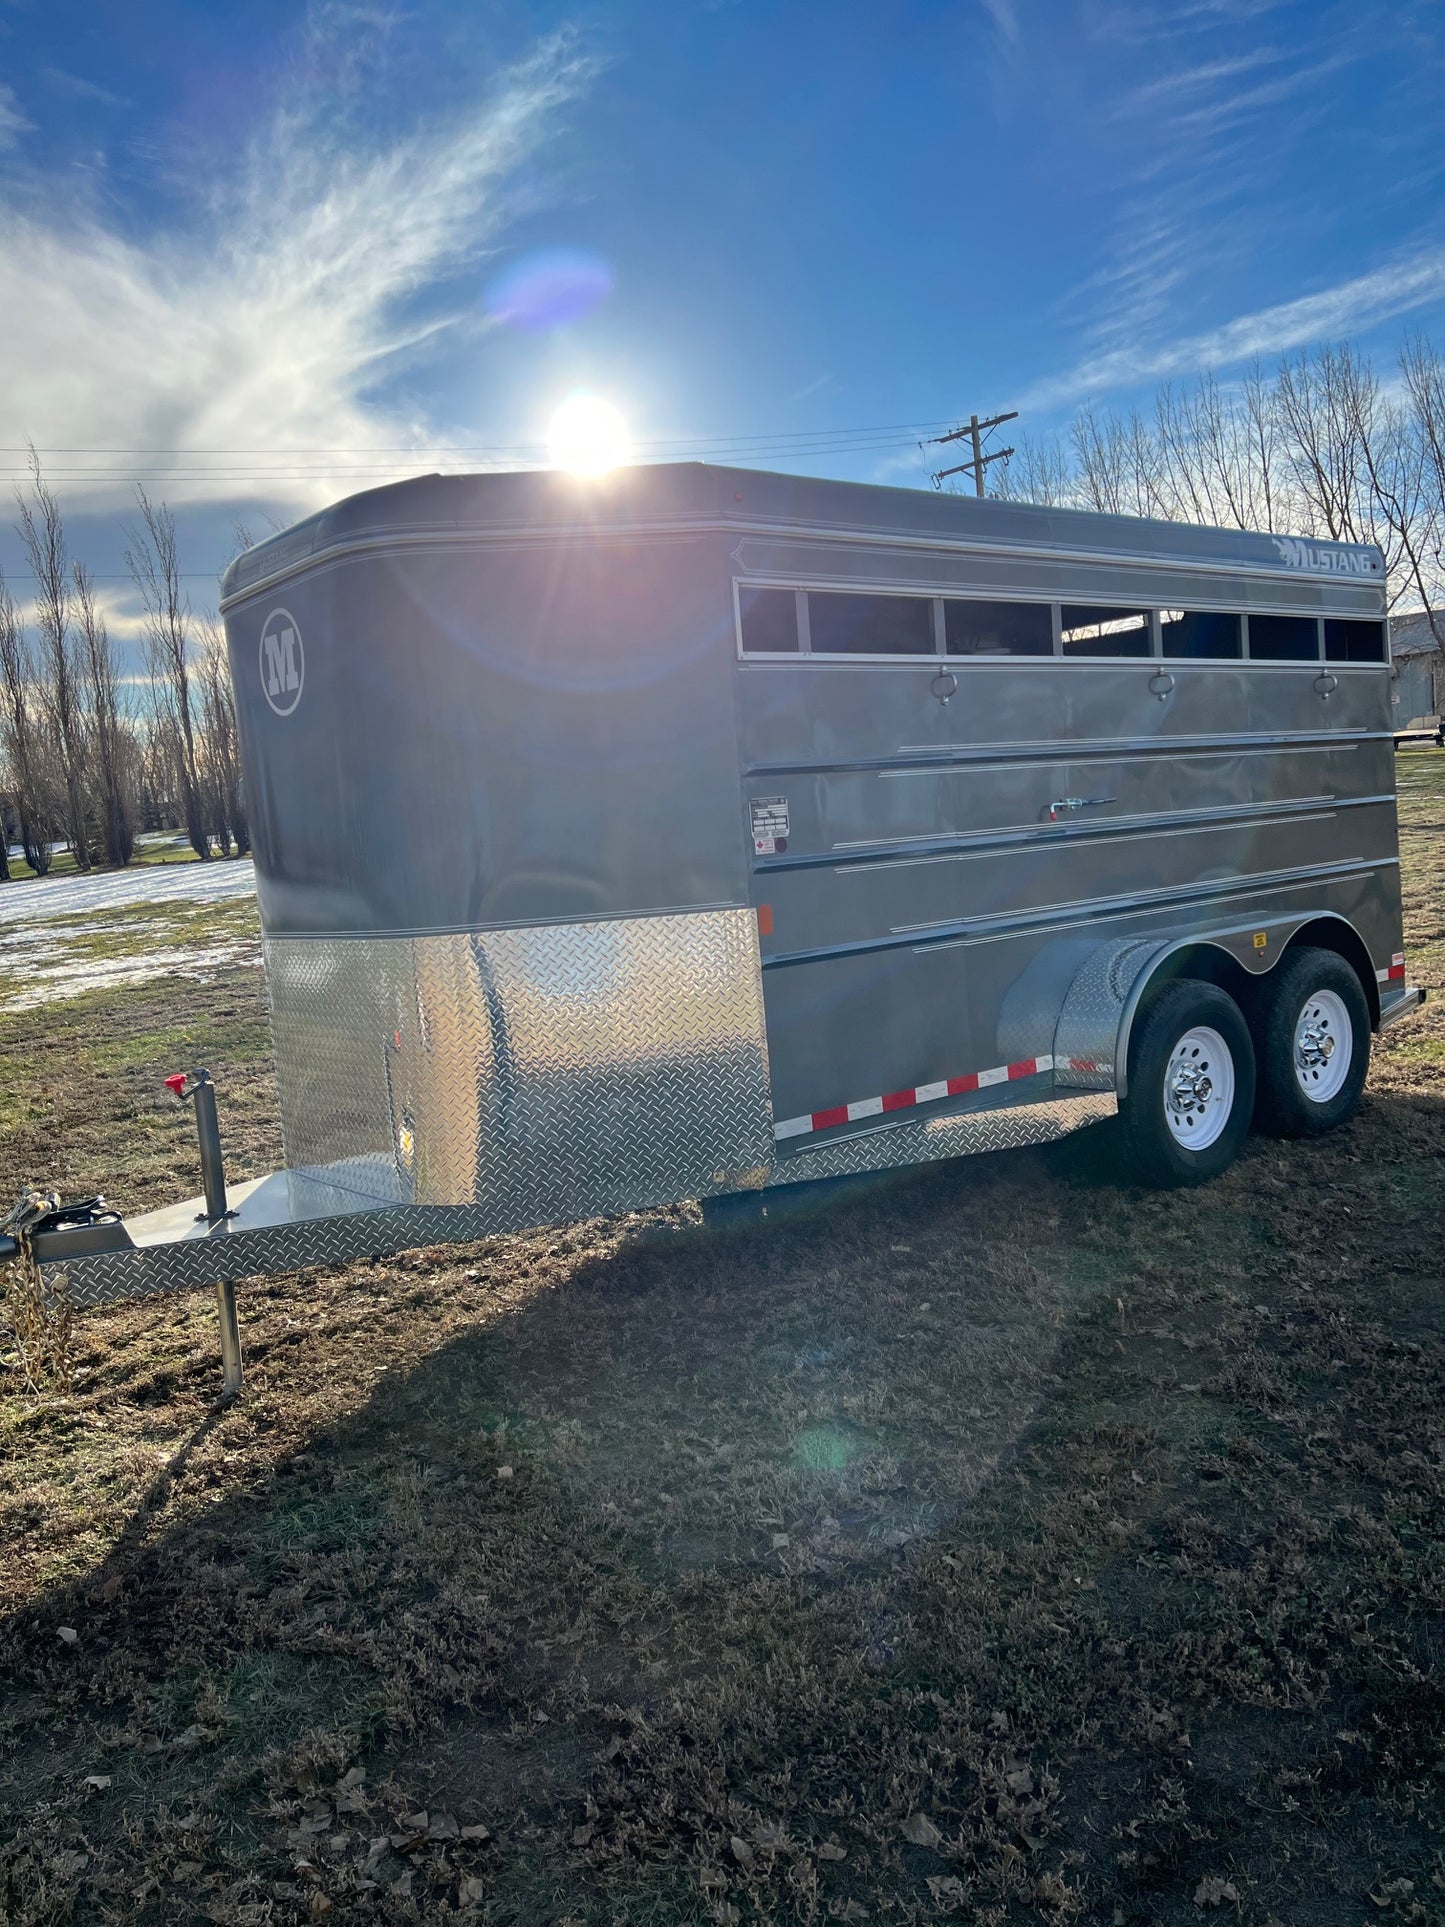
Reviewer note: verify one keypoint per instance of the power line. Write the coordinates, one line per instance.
(493, 448)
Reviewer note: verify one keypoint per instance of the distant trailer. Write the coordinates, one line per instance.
(693, 832)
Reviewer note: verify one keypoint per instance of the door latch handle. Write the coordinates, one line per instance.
(1076, 803)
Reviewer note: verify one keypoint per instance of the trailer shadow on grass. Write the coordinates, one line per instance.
(987, 1540)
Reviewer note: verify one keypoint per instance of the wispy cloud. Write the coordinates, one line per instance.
(1347, 308)
(1004, 15)
(265, 328)
(79, 88)
(12, 122)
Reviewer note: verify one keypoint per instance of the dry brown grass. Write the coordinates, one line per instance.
(986, 1543)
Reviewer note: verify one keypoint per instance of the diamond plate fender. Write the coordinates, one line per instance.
(1089, 1049)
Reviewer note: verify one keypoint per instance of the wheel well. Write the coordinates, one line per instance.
(1214, 965)
(1206, 963)
(1333, 933)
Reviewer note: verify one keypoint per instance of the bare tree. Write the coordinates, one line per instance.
(154, 564)
(1318, 447)
(22, 738)
(222, 743)
(107, 724)
(1037, 471)
(43, 533)
(1424, 378)
(1117, 464)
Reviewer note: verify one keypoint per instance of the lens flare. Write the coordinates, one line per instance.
(588, 436)
(547, 289)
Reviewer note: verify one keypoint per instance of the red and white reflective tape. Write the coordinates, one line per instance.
(921, 1094)
(1396, 973)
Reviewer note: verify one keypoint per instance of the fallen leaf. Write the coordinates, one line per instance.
(505, 1472)
(1212, 1891)
(830, 1850)
(443, 1827)
(68, 1634)
(1019, 1781)
(743, 1854)
(780, 1539)
(319, 1905)
(100, 1781)
(921, 1831)
(470, 1890)
(476, 1833)
(948, 1891)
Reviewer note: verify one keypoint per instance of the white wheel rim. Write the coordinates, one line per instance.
(1324, 1044)
(1198, 1088)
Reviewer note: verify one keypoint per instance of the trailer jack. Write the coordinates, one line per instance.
(200, 1089)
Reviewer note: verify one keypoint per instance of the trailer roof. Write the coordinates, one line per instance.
(695, 495)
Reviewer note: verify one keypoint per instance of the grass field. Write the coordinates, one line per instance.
(991, 1543)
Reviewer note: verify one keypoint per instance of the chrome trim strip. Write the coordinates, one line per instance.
(1002, 755)
(1014, 923)
(855, 538)
(844, 859)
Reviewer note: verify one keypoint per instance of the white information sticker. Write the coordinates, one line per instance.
(770, 825)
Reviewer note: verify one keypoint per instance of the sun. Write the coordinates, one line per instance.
(588, 436)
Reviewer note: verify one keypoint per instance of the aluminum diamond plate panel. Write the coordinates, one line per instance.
(1003, 1129)
(1088, 1028)
(182, 1266)
(545, 1073)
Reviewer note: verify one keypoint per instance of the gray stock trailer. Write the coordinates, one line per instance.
(695, 831)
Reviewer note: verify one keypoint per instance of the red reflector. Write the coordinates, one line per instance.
(765, 919)
(177, 1084)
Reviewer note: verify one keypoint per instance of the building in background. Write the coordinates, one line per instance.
(1417, 667)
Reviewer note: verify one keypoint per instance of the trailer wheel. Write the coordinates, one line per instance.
(1314, 1045)
(1191, 1086)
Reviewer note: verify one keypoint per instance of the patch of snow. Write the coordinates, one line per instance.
(67, 977)
(47, 897)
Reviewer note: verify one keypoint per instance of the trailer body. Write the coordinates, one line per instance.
(694, 830)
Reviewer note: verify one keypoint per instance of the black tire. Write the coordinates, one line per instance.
(1151, 1146)
(1285, 1107)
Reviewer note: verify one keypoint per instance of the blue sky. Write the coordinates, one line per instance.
(248, 254)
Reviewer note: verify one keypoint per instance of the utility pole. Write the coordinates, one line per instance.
(975, 430)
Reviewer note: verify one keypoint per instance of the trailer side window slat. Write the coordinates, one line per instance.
(1284, 638)
(1089, 631)
(1199, 634)
(998, 628)
(1349, 641)
(870, 625)
(770, 621)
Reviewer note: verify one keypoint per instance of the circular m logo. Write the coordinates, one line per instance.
(283, 661)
